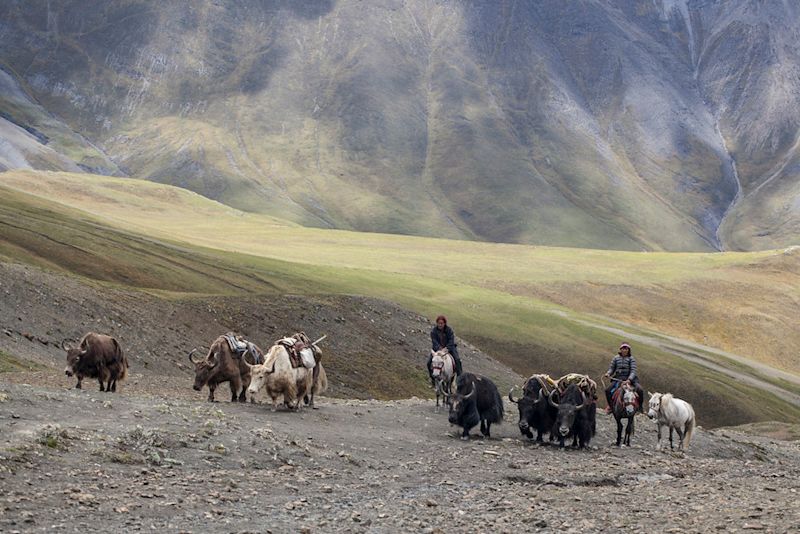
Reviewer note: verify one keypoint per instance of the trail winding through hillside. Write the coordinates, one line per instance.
(693, 352)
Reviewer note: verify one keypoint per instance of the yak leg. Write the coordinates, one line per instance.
(274, 403)
(245, 385)
(539, 438)
(465, 433)
(211, 388)
(235, 384)
(486, 427)
(80, 379)
(101, 384)
(113, 385)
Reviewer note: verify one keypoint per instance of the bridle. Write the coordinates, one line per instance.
(623, 390)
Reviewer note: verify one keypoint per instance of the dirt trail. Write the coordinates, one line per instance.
(692, 351)
(77, 460)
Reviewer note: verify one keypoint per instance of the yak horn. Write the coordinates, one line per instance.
(540, 397)
(510, 397)
(190, 356)
(65, 345)
(471, 393)
(553, 403)
(320, 339)
(582, 405)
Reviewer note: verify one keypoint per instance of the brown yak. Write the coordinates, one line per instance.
(97, 356)
(220, 365)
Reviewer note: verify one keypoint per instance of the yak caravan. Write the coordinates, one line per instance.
(292, 373)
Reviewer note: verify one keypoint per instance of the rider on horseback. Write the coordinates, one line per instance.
(442, 336)
(623, 369)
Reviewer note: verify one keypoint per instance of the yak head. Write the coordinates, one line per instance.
(74, 356)
(527, 406)
(567, 410)
(204, 369)
(464, 409)
(258, 376)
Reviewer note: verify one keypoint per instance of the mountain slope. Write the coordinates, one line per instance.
(551, 310)
(657, 125)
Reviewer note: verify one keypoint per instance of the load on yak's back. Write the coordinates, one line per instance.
(226, 361)
(563, 408)
(292, 370)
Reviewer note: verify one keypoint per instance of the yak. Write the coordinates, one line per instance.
(97, 356)
(535, 413)
(220, 365)
(476, 401)
(279, 378)
(575, 416)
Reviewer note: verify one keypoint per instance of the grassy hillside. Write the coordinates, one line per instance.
(528, 306)
(698, 297)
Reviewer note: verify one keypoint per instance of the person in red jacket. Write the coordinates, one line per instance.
(442, 336)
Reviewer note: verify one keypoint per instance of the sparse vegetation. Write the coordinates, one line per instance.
(533, 308)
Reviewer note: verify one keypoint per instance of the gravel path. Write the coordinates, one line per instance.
(78, 460)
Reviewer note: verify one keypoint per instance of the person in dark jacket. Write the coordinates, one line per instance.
(623, 369)
(442, 336)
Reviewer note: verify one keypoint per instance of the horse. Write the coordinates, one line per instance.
(677, 414)
(625, 402)
(443, 367)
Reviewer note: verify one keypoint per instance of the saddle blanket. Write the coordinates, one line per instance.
(241, 346)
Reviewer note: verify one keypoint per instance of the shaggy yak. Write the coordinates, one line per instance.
(220, 365)
(97, 356)
(476, 401)
(279, 378)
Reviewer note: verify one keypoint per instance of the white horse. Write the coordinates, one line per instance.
(677, 414)
(443, 367)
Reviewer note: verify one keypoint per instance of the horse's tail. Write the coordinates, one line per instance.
(689, 429)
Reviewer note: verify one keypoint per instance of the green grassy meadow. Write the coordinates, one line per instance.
(537, 309)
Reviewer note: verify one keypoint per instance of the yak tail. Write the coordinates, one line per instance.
(498, 406)
(321, 383)
(688, 430)
(123, 373)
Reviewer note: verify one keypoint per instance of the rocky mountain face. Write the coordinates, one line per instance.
(636, 124)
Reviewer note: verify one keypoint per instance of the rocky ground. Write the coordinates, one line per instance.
(77, 460)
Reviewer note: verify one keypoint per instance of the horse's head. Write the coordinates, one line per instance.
(629, 400)
(437, 362)
(655, 405)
